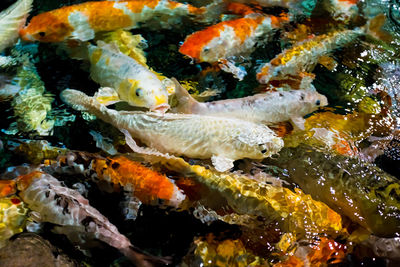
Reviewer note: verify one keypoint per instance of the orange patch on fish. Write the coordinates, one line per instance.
(353, 2)
(196, 42)
(7, 187)
(24, 181)
(148, 185)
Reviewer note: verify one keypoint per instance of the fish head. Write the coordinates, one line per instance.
(149, 93)
(46, 27)
(309, 101)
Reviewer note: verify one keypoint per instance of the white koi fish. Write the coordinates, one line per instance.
(224, 140)
(11, 20)
(266, 108)
(124, 79)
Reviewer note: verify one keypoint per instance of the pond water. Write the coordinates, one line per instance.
(200, 133)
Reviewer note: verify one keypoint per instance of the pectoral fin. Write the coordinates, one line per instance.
(107, 96)
(238, 71)
(186, 102)
(298, 123)
(222, 164)
(327, 62)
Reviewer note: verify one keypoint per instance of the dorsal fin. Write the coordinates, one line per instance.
(186, 102)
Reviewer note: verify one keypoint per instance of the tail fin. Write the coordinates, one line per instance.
(140, 258)
(186, 102)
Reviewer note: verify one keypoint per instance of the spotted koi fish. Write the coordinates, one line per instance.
(224, 140)
(82, 21)
(230, 38)
(147, 185)
(302, 58)
(72, 213)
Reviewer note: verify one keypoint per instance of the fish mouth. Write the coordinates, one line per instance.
(25, 36)
(160, 108)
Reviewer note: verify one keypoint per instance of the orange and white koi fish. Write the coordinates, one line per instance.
(224, 140)
(82, 21)
(72, 213)
(228, 39)
(125, 79)
(303, 57)
(146, 184)
(11, 20)
(267, 108)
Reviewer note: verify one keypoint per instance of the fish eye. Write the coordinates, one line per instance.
(318, 102)
(263, 148)
(42, 34)
(206, 49)
(138, 92)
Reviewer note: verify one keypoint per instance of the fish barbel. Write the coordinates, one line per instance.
(68, 209)
(11, 20)
(266, 108)
(221, 139)
(127, 79)
(82, 21)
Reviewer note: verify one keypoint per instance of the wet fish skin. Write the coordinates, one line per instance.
(82, 21)
(266, 108)
(67, 208)
(11, 20)
(359, 190)
(133, 82)
(190, 135)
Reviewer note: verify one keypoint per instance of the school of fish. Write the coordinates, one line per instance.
(302, 178)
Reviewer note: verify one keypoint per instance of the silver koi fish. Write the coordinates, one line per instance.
(224, 140)
(266, 108)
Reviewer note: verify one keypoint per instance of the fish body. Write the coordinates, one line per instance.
(296, 212)
(266, 108)
(271, 3)
(146, 184)
(229, 38)
(82, 21)
(69, 210)
(303, 57)
(358, 190)
(221, 139)
(11, 20)
(131, 81)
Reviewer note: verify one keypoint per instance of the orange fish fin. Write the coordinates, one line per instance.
(328, 62)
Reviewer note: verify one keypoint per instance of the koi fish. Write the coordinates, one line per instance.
(224, 140)
(266, 108)
(11, 20)
(124, 79)
(72, 213)
(13, 215)
(303, 57)
(147, 185)
(271, 3)
(359, 190)
(296, 212)
(82, 21)
(227, 39)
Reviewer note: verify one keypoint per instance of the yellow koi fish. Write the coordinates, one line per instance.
(124, 79)
(303, 57)
(224, 140)
(82, 21)
(11, 20)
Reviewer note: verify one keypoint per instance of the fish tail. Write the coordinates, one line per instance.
(140, 258)
(186, 102)
(82, 102)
